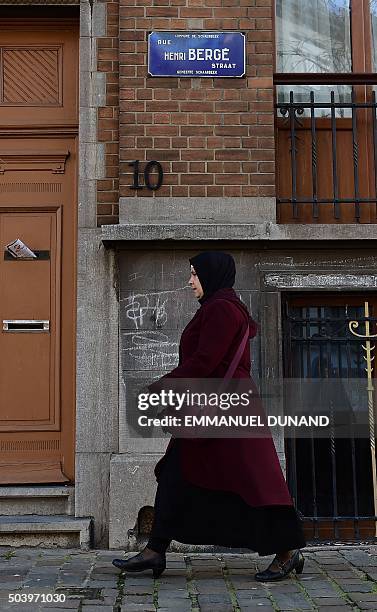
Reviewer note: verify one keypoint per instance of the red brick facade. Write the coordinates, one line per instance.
(108, 117)
(213, 136)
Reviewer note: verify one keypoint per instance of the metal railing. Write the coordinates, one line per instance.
(294, 111)
(331, 479)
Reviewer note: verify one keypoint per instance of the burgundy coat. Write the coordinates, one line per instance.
(247, 466)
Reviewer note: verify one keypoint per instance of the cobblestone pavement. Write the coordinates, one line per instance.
(334, 578)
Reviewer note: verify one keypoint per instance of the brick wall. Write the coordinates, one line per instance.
(213, 137)
(108, 117)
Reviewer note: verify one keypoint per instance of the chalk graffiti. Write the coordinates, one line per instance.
(134, 276)
(139, 305)
(149, 350)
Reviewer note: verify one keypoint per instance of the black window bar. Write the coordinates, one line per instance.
(291, 110)
(329, 479)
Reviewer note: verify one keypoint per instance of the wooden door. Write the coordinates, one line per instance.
(38, 205)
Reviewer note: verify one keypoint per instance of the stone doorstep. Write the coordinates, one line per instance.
(40, 499)
(26, 527)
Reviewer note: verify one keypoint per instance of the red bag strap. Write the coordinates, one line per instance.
(237, 357)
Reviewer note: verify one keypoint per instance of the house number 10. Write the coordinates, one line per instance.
(147, 175)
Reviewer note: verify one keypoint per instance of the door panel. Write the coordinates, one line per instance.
(30, 291)
(39, 72)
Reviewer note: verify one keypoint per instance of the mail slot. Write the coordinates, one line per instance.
(40, 256)
(19, 325)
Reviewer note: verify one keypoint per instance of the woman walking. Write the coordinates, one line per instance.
(222, 491)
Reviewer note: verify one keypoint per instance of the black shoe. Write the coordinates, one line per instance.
(138, 563)
(296, 562)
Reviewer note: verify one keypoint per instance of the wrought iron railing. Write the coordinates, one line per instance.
(294, 115)
(331, 480)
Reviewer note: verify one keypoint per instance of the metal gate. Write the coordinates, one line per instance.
(332, 480)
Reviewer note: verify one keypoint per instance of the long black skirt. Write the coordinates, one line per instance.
(194, 515)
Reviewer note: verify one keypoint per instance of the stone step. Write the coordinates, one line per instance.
(37, 499)
(46, 531)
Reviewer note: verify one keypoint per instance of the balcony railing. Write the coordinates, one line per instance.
(327, 156)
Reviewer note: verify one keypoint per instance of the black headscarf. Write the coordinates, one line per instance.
(216, 270)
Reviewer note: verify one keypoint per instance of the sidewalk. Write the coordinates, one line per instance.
(334, 578)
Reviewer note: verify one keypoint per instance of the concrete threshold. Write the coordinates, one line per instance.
(37, 499)
(45, 531)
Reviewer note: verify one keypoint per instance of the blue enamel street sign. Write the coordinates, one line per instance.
(196, 54)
